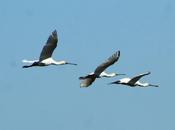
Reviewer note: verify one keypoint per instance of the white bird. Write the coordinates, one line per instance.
(133, 82)
(99, 71)
(45, 58)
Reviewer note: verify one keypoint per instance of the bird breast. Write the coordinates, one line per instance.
(48, 61)
(125, 80)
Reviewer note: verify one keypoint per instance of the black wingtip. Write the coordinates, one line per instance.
(118, 52)
(148, 72)
(54, 33)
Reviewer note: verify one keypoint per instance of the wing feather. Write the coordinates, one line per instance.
(50, 46)
(111, 60)
(136, 78)
(87, 81)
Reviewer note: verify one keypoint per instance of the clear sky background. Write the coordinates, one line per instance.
(89, 32)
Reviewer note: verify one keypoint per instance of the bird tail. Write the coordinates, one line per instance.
(29, 61)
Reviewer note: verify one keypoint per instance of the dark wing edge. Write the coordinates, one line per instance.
(50, 46)
(110, 61)
(136, 78)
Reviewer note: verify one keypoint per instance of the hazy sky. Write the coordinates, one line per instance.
(90, 31)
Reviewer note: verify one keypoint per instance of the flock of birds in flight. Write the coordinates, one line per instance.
(46, 59)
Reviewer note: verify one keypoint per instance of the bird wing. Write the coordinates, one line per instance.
(136, 78)
(111, 60)
(50, 46)
(87, 81)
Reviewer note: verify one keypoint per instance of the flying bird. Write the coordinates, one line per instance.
(133, 82)
(100, 71)
(45, 58)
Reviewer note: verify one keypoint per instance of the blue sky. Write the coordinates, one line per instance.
(89, 32)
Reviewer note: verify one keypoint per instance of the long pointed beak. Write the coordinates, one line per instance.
(71, 63)
(153, 85)
(121, 74)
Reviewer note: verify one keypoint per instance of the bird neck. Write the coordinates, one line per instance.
(111, 74)
(146, 85)
(142, 84)
(59, 62)
(104, 74)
